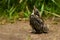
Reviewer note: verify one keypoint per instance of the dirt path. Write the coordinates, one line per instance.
(22, 31)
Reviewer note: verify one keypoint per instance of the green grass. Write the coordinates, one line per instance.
(11, 8)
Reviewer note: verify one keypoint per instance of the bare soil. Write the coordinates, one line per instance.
(21, 30)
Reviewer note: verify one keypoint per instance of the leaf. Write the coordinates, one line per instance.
(11, 11)
(55, 14)
(57, 3)
(42, 9)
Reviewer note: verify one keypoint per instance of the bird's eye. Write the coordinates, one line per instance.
(37, 12)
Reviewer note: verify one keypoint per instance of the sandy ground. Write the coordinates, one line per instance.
(21, 30)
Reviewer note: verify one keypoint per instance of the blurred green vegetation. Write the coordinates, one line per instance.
(13, 9)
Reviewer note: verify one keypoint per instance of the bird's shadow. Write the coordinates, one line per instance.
(39, 32)
(35, 33)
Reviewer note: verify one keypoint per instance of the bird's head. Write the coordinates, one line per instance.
(36, 11)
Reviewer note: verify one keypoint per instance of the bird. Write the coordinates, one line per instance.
(37, 23)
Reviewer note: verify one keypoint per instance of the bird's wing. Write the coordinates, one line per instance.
(40, 21)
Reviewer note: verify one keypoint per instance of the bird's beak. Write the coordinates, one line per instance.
(32, 13)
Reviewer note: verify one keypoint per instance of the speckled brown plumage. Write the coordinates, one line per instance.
(37, 23)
